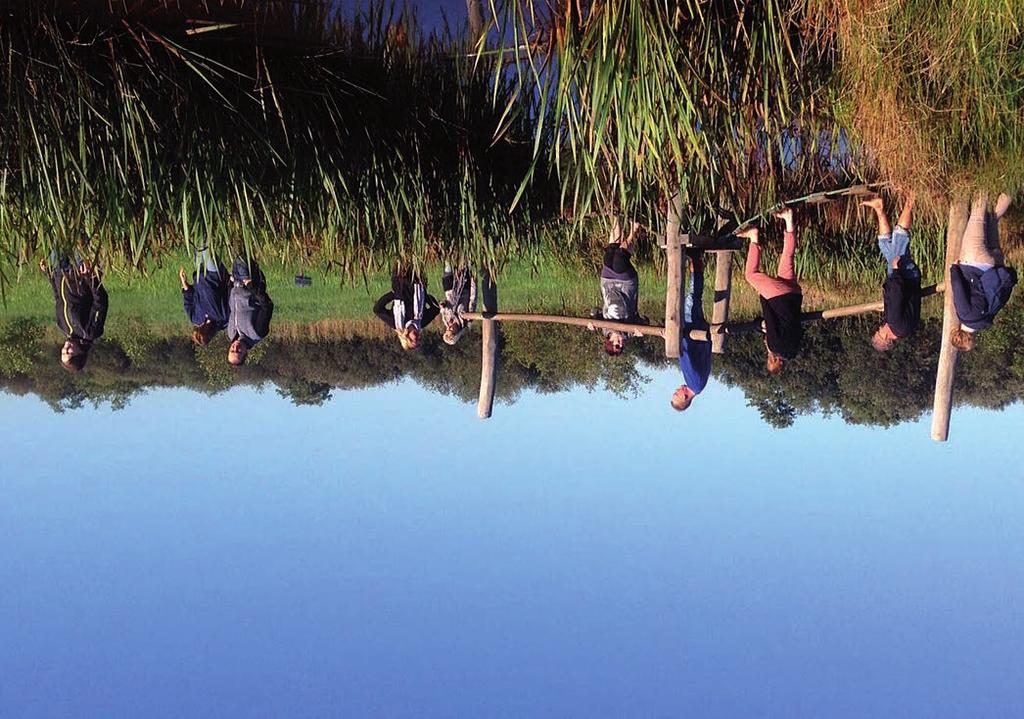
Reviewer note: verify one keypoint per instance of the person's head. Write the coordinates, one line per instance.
(237, 352)
(884, 338)
(614, 344)
(202, 334)
(453, 332)
(682, 398)
(73, 355)
(409, 338)
(962, 339)
(775, 363)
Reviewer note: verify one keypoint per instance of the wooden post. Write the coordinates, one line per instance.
(943, 405)
(489, 348)
(723, 292)
(674, 291)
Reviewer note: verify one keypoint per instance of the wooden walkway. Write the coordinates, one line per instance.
(720, 328)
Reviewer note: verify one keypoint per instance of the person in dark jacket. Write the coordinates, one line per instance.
(781, 296)
(81, 308)
(620, 287)
(694, 355)
(206, 298)
(901, 293)
(459, 296)
(250, 310)
(407, 308)
(980, 282)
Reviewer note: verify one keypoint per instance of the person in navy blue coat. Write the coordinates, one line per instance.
(206, 298)
(694, 355)
(980, 282)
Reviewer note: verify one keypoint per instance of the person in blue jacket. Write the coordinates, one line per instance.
(206, 298)
(694, 355)
(980, 282)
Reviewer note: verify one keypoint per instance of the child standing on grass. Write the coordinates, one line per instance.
(620, 286)
(781, 296)
(980, 282)
(694, 355)
(407, 308)
(459, 296)
(901, 292)
(81, 307)
(250, 310)
(206, 299)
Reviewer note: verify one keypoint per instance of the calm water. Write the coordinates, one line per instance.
(388, 554)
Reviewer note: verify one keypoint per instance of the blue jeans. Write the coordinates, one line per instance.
(895, 247)
(693, 305)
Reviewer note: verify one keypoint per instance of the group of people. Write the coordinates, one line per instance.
(980, 282)
(238, 303)
(214, 300)
(408, 308)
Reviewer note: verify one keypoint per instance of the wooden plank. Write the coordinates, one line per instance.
(611, 325)
(489, 346)
(942, 406)
(657, 331)
(723, 294)
(674, 280)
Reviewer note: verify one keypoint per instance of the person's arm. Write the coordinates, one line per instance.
(1007, 278)
(264, 312)
(98, 313)
(962, 296)
(430, 311)
(472, 294)
(381, 310)
(188, 298)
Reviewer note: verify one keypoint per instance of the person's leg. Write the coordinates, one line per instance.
(752, 272)
(419, 299)
(787, 265)
(992, 227)
(876, 204)
(693, 310)
(447, 279)
(615, 234)
(240, 270)
(973, 248)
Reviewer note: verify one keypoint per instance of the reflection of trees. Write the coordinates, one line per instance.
(837, 374)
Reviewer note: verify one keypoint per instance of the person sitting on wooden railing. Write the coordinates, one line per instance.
(459, 297)
(251, 310)
(411, 308)
(901, 292)
(81, 307)
(620, 287)
(206, 298)
(781, 296)
(981, 283)
(694, 355)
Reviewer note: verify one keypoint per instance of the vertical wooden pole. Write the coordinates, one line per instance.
(674, 290)
(943, 405)
(723, 293)
(489, 348)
